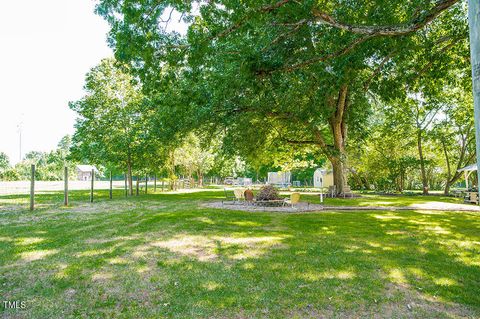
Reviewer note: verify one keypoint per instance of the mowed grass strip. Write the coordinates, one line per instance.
(165, 256)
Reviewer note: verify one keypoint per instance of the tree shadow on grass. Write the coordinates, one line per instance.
(180, 261)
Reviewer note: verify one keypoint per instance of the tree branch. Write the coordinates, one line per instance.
(300, 142)
(286, 34)
(274, 6)
(420, 20)
(324, 58)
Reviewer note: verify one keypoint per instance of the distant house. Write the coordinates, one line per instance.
(84, 172)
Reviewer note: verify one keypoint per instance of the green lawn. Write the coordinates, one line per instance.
(385, 200)
(164, 256)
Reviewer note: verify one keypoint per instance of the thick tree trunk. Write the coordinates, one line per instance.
(338, 125)
(339, 177)
(446, 191)
(450, 182)
(402, 182)
(335, 152)
(422, 163)
(129, 176)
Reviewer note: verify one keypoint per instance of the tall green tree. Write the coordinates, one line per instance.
(455, 135)
(194, 158)
(293, 72)
(110, 127)
(414, 117)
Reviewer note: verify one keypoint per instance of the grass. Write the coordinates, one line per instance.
(387, 200)
(163, 256)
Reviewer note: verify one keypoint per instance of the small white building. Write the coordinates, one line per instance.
(84, 172)
(279, 178)
(322, 178)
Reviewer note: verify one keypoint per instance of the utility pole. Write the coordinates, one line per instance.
(474, 21)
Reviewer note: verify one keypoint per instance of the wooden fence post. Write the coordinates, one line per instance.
(32, 188)
(91, 186)
(65, 196)
(111, 185)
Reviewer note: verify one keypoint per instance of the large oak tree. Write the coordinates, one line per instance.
(268, 73)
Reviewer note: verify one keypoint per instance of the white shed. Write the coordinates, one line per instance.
(84, 172)
(322, 178)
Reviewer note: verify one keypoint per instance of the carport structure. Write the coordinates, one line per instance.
(467, 171)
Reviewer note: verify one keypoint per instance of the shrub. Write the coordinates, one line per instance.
(268, 192)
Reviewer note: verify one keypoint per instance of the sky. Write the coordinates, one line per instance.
(46, 48)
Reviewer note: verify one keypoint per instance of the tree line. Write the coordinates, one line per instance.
(49, 165)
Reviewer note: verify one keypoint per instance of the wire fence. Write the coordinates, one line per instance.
(23, 187)
(34, 187)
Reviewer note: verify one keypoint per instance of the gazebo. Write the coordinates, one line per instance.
(467, 170)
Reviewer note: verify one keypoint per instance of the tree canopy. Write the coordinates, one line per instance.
(287, 75)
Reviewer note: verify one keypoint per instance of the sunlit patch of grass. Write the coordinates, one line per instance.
(437, 230)
(206, 248)
(246, 224)
(211, 285)
(102, 276)
(25, 241)
(388, 216)
(397, 276)
(329, 274)
(93, 252)
(29, 256)
(445, 282)
(205, 220)
(143, 269)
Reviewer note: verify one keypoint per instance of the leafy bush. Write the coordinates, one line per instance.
(268, 192)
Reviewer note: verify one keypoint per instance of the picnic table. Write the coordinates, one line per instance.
(459, 193)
